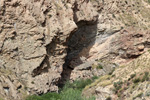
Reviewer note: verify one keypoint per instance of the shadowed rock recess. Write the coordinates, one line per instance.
(34, 38)
(44, 43)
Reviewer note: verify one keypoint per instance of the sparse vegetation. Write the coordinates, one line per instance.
(118, 86)
(32, 82)
(127, 79)
(138, 96)
(99, 66)
(132, 76)
(105, 83)
(145, 77)
(48, 96)
(136, 80)
(95, 77)
(71, 91)
(78, 84)
(113, 75)
(98, 81)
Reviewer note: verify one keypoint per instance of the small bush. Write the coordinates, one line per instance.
(119, 83)
(118, 86)
(79, 84)
(145, 77)
(113, 75)
(132, 76)
(99, 66)
(71, 94)
(95, 77)
(48, 96)
(119, 94)
(97, 81)
(146, 73)
(136, 80)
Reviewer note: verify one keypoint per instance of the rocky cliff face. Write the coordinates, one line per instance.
(123, 28)
(121, 34)
(44, 41)
(33, 41)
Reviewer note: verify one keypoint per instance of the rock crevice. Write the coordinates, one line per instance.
(33, 42)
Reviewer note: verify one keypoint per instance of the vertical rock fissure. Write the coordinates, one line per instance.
(77, 41)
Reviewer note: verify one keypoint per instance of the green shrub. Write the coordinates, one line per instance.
(52, 96)
(136, 80)
(48, 96)
(91, 98)
(78, 84)
(113, 75)
(95, 77)
(119, 83)
(118, 86)
(71, 94)
(99, 66)
(71, 91)
(132, 76)
(145, 77)
(34, 97)
(146, 73)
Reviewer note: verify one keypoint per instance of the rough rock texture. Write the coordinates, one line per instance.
(33, 42)
(125, 77)
(120, 35)
(39, 37)
(120, 30)
(124, 36)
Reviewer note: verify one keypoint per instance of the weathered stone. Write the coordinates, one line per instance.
(33, 42)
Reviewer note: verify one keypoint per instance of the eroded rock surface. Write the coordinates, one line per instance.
(123, 39)
(33, 42)
(39, 37)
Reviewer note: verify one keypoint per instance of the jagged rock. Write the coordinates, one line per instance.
(38, 37)
(118, 35)
(33, 42)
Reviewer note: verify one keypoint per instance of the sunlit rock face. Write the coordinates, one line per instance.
(119, 35)
(122, 38)
(42, 41)
(33, 42)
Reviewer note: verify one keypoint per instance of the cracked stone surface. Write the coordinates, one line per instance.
(33, 37)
